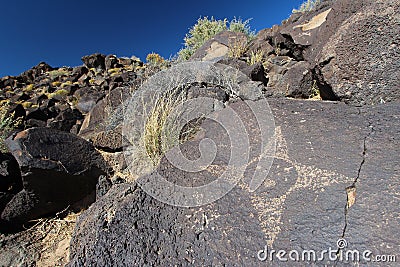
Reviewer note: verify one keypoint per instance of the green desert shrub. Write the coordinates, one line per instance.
(206, 28)
(238, 25)
(307, 6)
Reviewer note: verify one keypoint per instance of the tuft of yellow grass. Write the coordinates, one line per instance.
(7, 124)
(237, 48)
(315, 92)
(161, 134)
(255, 57)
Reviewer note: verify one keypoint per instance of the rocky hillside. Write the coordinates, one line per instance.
(306, 112)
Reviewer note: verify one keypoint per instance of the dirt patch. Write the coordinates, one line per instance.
(44, 244)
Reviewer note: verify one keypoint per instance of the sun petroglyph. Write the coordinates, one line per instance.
(269, 209)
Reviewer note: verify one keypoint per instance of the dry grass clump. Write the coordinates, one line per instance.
(46, 243)
(255, 57)
(315, 92)
(160, 134)
(238, 48)
(154, 58)
(7, 124)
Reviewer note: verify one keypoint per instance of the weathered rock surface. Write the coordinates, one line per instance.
(354, 46)
(372, 222)
(103, 124)
(218, 46)
(10, 177)
(321, 148)
(255, 72)
(346, 49)
(96, 61)
(60, 97)
(372, 68)
(335, 173)
(57, 168)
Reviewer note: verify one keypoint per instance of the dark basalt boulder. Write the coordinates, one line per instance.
(353, 48)
(111, 61)
(348, 50)
(96, 61)
(102, 125)
(10, 179)
(57, 169)
(303, 204)
(34, 73)
(4, 199)
(65, 119)
(88, 98)
(255, 72)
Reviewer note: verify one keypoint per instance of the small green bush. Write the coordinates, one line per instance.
(206, 28)
(307, 6)
(238, 25)
(202, 31)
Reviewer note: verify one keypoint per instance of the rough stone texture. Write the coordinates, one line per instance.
(110, 62)
(263, 41)
(103, 123)
(65, 119)
(33, 74)
(4, 199)
(45, 244)
(234, 62)
(354, 44)
(255, 72)
(57, 168)
(372, 222)
(301, 205)
(372, 68)
(88, 98)
(96, 61)
(218, 46)
(10, 177)
(276, 67)
(295, 79)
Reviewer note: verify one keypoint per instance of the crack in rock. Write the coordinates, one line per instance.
(352, 189)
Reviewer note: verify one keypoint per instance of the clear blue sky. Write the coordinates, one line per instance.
(60, 32)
